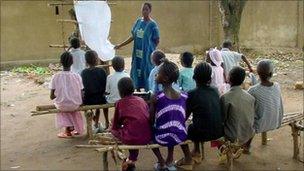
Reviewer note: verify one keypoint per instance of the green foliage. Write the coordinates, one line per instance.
(32, 69)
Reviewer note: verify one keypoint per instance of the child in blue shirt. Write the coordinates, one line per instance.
(185, 80)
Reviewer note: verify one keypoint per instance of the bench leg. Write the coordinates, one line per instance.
(89, 117)
(203, 150)
(229, 160)
(295, 136)
(264, 138)
(105, 161)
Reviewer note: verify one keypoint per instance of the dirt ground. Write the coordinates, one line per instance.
(30, 143)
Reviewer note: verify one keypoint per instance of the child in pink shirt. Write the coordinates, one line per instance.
(131, 120)
(66, 91)
(214, 57)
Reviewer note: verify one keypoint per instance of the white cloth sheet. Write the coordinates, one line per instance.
(94, 18)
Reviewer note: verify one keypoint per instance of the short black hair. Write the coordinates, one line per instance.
(202, 73)
(227, 44)
(237, 76)
(118, 63)
(170, 69)
(187, 59)
(125, 86)
(159, 55)
(149, 5)
(91, 57)
(66, 59)
(75, 42)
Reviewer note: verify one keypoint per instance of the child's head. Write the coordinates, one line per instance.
(202, 73)
(66, 59)
(157, 57)
(91, 58)
(125, 87)
(168, 73)
(265, 69)
(118, 63)
(186, 59)
(75, 43)
(214, 57)
(227, 44)
(237, 76)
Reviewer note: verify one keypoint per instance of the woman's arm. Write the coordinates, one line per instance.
(156, 41)
(124, 43)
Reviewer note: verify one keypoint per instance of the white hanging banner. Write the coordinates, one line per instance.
(94, 20)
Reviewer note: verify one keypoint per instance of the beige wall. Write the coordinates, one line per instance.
(27, 27)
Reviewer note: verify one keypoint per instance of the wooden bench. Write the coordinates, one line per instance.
(289, 119)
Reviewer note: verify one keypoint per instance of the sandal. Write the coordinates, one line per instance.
(182, 164)
(64, 135)
(74, 132)
(171, 167)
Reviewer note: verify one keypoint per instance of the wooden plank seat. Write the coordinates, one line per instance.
(231, 150)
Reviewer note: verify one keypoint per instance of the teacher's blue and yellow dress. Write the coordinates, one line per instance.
(145, 35)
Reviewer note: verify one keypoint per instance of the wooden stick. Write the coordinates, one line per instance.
(67, 21)
(264, 138)
(105, 161)
(62, 46)
(60, 3)
(81, 108)
(134, 147)
(89, 116)
(295, 134)
(45, 107)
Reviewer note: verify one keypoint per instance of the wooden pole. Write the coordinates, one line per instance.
(295, 134)
(89, 116)
(229, 158)
(45, 107)
(105, 160)
(81, 108)
(264, 138)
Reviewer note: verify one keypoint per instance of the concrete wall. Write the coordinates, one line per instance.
(27, 27)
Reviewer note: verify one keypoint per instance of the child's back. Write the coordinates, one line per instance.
(78, 56)
(111, 86)
(268, 107)
(67, 86)
(185, 80)
(133, 111)
(94, 81)
(204, 104)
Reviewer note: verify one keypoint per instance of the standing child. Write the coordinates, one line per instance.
(78, 56)
(268, 106)
(238, 109)
(204, 103)
(131, 112)
(118, 64)
(214, 57)
(94, 81)
(66, 90)
(168, 116)
(156, 57)
(185, 79)
(232, 58)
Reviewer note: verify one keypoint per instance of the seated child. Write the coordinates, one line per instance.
(238, 109)
(66, 90)
(167, 111)
(156, 57)
(118, 64)
(232, 58)
(204, 103)
(268, 106)
(94, 81)
(78, 56)
(131, 123)
(185, 79)
(214, 57)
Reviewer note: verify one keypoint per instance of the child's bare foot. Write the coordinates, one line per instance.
(64, 135)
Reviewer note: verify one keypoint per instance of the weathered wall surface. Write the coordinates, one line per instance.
(27, 27)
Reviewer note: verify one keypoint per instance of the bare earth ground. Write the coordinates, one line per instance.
(30, 143)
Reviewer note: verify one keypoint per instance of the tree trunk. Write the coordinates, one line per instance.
(231, 12)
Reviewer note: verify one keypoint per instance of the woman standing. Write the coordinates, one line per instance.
(145, 34)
